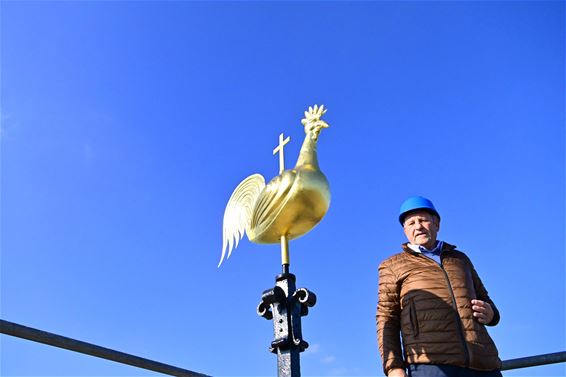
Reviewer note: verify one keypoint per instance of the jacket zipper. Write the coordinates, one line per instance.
(458, 320)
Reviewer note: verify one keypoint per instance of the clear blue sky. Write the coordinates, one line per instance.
(126, 125)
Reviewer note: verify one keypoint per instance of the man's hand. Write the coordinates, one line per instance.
(482, 311)
(397, 372)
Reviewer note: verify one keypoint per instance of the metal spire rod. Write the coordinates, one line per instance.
(285, 261)
(13, 329)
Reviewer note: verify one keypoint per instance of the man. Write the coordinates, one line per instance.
(432, 298)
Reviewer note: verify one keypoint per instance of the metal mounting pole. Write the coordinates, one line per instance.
(285, 305)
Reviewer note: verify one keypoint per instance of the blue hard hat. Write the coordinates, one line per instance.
(416, 203)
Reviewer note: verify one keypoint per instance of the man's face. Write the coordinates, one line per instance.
(421, 228)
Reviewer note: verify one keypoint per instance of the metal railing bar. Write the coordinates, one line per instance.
(13, 329)
(533, 361)
(28, 333)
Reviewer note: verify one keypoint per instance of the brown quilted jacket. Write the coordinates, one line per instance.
(430, 306)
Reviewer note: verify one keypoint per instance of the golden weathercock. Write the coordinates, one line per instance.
(290, 205)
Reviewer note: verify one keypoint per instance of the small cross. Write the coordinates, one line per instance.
(280, 150)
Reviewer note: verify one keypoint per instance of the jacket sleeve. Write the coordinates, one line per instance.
(482, 294)
(388, 320)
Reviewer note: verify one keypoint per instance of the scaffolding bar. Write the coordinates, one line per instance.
(533, 361)
(13, 329)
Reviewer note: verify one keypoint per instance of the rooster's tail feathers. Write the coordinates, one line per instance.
(238, 212)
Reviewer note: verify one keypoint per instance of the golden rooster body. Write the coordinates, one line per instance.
(290, 205)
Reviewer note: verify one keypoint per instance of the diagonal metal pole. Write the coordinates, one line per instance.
(28, 333)
(533, 361)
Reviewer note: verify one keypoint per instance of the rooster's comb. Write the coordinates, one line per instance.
(313, 114)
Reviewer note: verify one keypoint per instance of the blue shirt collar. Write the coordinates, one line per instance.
(421, 249)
